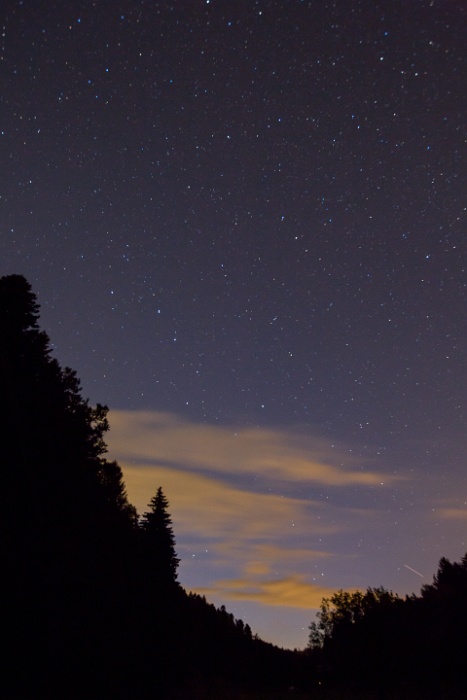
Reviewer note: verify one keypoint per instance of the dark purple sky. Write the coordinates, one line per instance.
(245, 222)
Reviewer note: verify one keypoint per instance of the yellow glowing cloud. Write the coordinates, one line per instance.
(292, 592)
(264, 557)
(208, 507)
(142, 436)
(453, 513)
(254, 529)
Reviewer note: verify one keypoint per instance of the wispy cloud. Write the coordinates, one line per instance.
(272, 454)
(249, 506)
(210, 507)
(263, 558)
(453, 513)
(293, 592)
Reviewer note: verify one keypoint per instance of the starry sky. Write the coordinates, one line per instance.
(245, 224)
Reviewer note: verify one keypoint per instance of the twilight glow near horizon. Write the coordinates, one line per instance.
(245, 225)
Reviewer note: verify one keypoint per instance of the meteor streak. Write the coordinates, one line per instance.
(414, 571)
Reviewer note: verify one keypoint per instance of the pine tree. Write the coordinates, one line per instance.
(159, 542)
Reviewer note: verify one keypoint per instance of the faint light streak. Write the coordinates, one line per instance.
(413, 570)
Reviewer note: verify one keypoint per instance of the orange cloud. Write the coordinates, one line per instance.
(211, 508)
(261, 558)
(291, 592)
(276, 455)
(254, 537)
(453, 513)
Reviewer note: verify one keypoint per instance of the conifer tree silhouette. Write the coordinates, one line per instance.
(159, 541)
(92, 606)
(51, 437)
(65, 512)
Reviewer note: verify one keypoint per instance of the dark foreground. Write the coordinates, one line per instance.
(220, 691)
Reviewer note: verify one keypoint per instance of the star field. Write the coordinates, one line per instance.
(248, 219)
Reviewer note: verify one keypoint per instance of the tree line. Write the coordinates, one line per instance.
(403, 647)
(92, 604)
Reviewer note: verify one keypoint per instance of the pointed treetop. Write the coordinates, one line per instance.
(19, 310)
(156, 525)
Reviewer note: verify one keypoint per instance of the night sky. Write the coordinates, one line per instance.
(245, 224)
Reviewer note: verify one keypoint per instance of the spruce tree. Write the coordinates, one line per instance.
(159, 542)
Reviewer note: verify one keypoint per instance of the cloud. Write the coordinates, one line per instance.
(206, 506)
(276, 455)
(261, 558)
(453, 513)
(248, 506)
(292, 592)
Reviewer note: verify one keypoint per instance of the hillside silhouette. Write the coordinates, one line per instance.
(93, 607)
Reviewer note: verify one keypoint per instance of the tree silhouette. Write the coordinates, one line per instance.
(159, 541)
(346, 610)
(449, 582)
(52, 439)
(91, 606)
(64, 508)
(378, 642)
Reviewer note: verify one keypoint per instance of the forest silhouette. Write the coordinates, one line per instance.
(93, 607)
